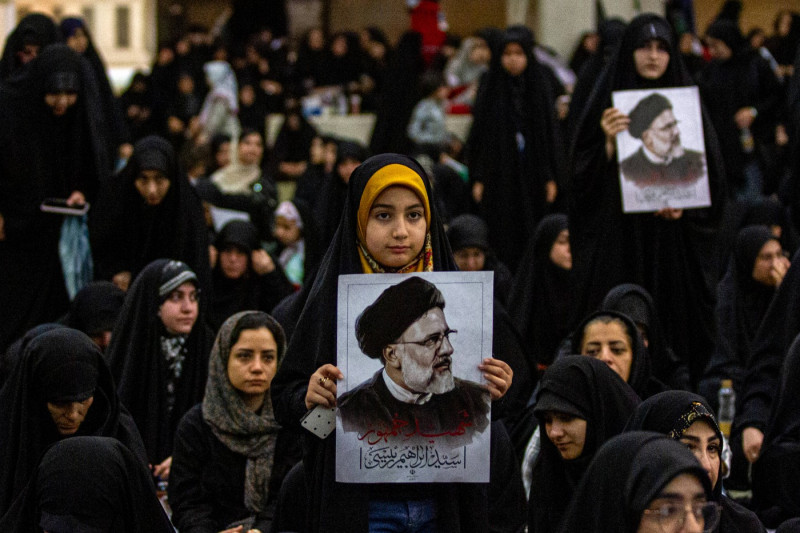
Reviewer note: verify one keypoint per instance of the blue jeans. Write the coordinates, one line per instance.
(399, 516)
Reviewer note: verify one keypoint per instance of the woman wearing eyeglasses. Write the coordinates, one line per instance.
(687, 418)
(643, 482)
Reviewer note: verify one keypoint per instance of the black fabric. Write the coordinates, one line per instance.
(139, 368)
(605, 402)
(541, 298)
(510, 148)
(662, 413)
(251, 291)
(641, 377)
(459, 413)
(37, 29)
(762, 211)
(669, 258)
(627, 473)
(332, 197)
(400, 94)
(744, 80)
(95, 308)
(779, 327)
(742, 303)
(293, 145)
(42, 156)
(14, 352)
(776, 473)
(610, 31)
(635, 302)
(112, 114)
(88, 485)
(468, 230)
(126, 233)
(61, 364)
(343, 507)
(207, 479)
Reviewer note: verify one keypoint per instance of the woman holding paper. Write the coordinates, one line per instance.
(665, 252)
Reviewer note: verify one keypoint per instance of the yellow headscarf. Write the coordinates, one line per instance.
(394, 175)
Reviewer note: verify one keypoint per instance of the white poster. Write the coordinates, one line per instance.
(413, 405)
(662, 156)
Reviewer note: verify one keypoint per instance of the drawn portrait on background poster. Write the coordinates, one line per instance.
(662, 154)
(413, 416)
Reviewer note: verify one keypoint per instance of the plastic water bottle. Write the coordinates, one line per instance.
(727, 406)
(746, 138)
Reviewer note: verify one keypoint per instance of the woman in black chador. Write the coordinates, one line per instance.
(581, 404)
(49, 148)
(541, 298)
(159, 354)
(88, 484)
(511, 145)
(147, 211)
(60, 388)
(642, 481)
(688, 419)
(754, 273)
(664, 252)
(776, 473)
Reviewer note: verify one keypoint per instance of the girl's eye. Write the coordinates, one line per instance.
(382, 215)
(243, 355)
(415, 215)
(714, 450)
(591, 352)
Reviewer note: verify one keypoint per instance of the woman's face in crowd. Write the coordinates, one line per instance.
(769, 254)
(251, 149)
(396, 227)
(566, 432)
(60, 103)
(286, 231)
(706, 445)
(339, 46)
(470, 259)
(68, 416)
(560, 253)
(152, 185)
(514, 60)
(718, 49)
(346, 167)
(79, 41)
(253, 361)
(651, 59)
(316, 39)
(611, 344)
(233, 261)
(682, 491)
(179, 311)
(480, 53)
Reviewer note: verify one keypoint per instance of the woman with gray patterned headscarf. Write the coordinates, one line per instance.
(230, 454)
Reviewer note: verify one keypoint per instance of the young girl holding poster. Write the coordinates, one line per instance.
(389, 225)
